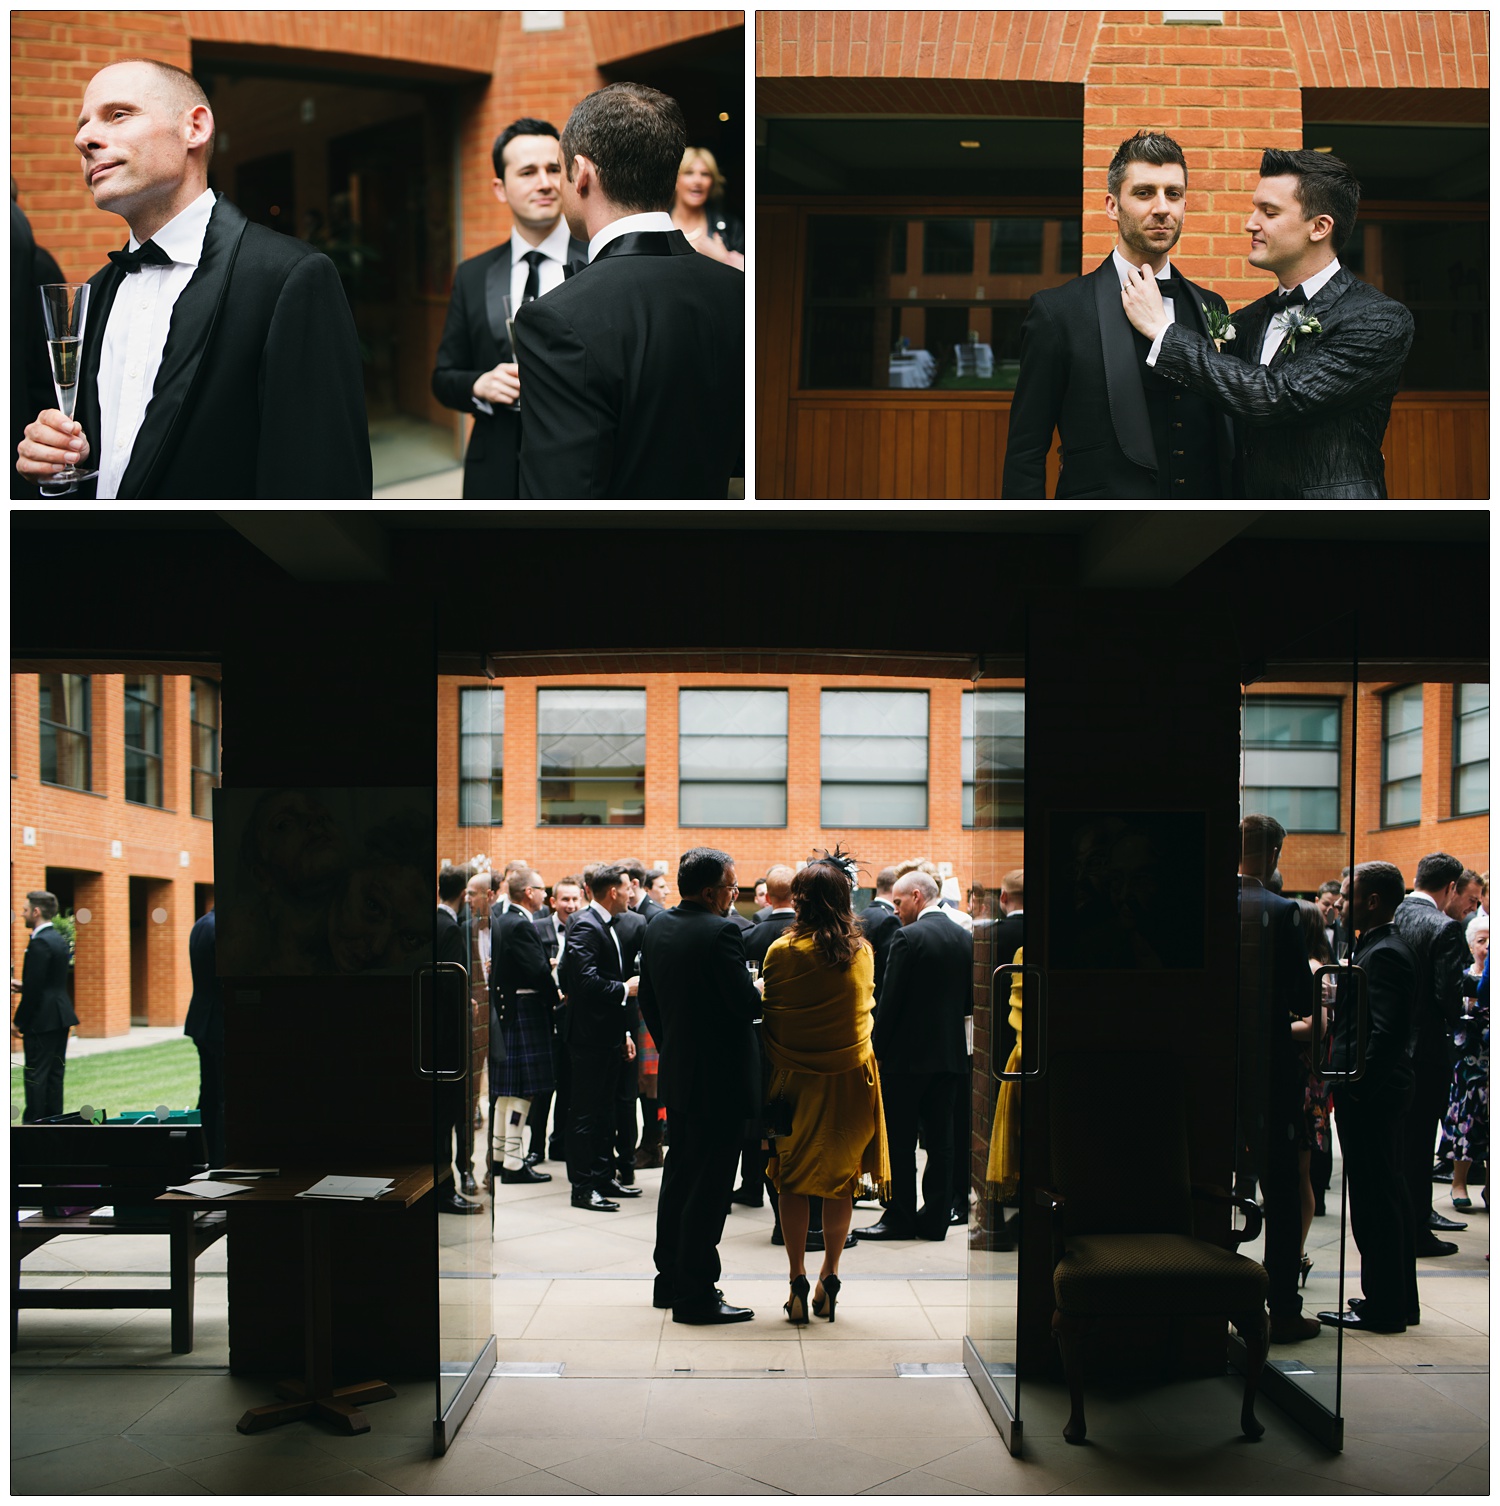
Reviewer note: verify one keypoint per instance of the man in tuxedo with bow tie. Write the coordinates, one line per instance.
(219, 358)
(1311, 372)
(476, 368)
(1126, 433)
(634, 370)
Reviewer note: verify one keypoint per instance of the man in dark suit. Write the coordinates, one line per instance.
(879, 921)
(1425, 922)
(919, 1043)
(647, 343)
(211, 344)
(476, 369)
(45, 1013)
(1369, 1112)
(1125, 432)
(600, 996)
(1313, 366)
(629, 927)
(454, 1124)
(551, 924)
(204, 1026)
(653, 898)
(699, 1003)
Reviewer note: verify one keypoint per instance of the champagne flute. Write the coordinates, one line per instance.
(510, 306)
(64, 310)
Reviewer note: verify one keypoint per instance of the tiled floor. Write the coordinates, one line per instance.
(646, 1406)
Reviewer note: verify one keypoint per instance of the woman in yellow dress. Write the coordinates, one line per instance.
(818, 1013)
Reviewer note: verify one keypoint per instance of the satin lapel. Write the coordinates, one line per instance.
(1122, 371)
(102, 289)
(1195, 320)
(650, 243)
(578, 257)
(194, 319)
(496, 290)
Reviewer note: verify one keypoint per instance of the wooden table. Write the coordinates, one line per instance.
(315, 1394)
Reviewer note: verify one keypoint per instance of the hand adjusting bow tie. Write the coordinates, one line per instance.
(1171, 287)
(149, 255)
(1281, 302)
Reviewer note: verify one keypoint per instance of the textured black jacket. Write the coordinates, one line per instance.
(929, 988)
(1310, 424)
(1391, 988)
(45, 1004)
(1081, 376)
(1442, 956)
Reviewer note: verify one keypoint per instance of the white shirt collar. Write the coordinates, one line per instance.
(555, 246)
(784, 910)
(42, 925)
(653, 219)
(928, 909)
(600, 911)
(444, 905)
(1423, 896)
(1126, 270)
(1312, 286)
(182, 237)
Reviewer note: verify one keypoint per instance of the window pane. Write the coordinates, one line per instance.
(877, 713)
(203, 794)
(1403, 803)
(593, 802)
(1297, 810)
(874, 805)
(858, 759)
(1291, 767)
(65, 757)
(481, 756)
(142, 777)
(999, 804)
(731, 757)
(725, 803)
(1272, 721)
(724, 712)
(587, 755)
(610, 712)
(1403, 710)
(948, 246)
(1471, 789)
(1403, 755)
(64, 699)
(64, 727)
(1469, 698)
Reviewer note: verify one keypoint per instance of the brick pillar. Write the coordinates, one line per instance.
(101, 958)
(169, 918)
(804, 754)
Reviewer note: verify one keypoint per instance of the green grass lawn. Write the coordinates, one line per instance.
(139, 1077)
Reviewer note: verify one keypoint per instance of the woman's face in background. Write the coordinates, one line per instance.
(694, 184)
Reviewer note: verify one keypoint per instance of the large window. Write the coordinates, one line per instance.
(731, 757)
(1401, 758)
(63, 712)
(1471, 750)
(1292, 761)
(143, 783)
(994, 758)
(481, 756)
(203, 711)
(591, 757)
(874, 758)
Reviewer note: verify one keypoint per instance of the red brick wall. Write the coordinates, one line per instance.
(619, 34)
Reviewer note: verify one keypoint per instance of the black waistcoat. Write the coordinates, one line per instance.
(1183, 426)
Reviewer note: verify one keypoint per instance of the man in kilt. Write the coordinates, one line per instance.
(523, 994)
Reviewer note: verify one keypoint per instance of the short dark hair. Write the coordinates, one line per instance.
(603, 876)
(1383, 879)
(1154, 147)
(885, 880)
(453, 881)
(1467, 877)
(698, 868)
(525, 126)
(635, 868)
(1331, 886)
(520, 881)
(1261, 834)
(1324, 186)
(635, 137)
(45, 901)
(1437, 870)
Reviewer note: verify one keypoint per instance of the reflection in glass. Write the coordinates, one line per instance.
(481, 756)
(63, 715)
(203, 712)
(1471, 750)
(143, 739)
(1401, 753)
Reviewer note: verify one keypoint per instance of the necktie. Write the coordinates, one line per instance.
(533, 260)
(148, 255)
(1281, 302)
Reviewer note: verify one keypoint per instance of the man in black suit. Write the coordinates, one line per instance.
(454, 1123)
(211, 344)
(45, 1013)
(653, 899)
(1313, 366)
(628, 928)
(647, 343)
(476, 369)
(1427, 923)
(204, 1026)
(919, 1043)
(600, 997)
(1369, 1112)
(551, 925)
(1125, 432)
(879, 922)
(699, 1005)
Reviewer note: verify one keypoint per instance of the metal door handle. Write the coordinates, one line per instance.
(1355, 979)
(435, 1073)
(1038, 1025)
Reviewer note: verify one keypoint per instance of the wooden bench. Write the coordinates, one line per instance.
(125, 1166)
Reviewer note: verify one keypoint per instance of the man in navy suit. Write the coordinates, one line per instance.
(204, 1026)
(45, 1013)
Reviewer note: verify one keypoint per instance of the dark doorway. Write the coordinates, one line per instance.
(140, 966)
(265, 191)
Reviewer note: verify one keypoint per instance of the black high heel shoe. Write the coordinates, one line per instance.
(796, 1305)
(1307, 1265)
(830, 1297)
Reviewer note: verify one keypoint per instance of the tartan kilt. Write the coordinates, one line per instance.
(526, 1032)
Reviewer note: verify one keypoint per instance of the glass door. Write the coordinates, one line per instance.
(1005, 1053)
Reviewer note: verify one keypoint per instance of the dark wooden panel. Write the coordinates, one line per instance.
(775, 280)
(1438, 446)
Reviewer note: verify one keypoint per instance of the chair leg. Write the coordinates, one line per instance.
(1068, 1332)
(1255, 1329)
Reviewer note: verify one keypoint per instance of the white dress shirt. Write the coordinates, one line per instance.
(653, 219)
(136, 334)
(1278, 325)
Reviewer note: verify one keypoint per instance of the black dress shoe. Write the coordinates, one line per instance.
(815, 1241)
(719, 1311)
(934, 1236)
(748, 1196)
(661, 1293)
(595, 1202)
(1430, 1248)
(453, 1203)
(1443, 1171)
(777, 1238)
(524, 1174)
(1436, 1221)
(1361, 1322)
(958, 1218)
(614, 1189)
(533, 1156)
(467, 1183)
(883, 1230)
(1413, 1319)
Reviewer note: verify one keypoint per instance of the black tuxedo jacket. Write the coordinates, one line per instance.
(519, 961)
(260, 392)
(879, 921)
(474, 341)
(1391, 974)
(699, 1004)
(929, 988)
(649, 907)
(591, 976)
(1311, 423)
(545, 922)
(205, 1016)
(1275, 973)
(629, 927)
(739, 922)
(1442, 955)
(45, 1004)
(1081, 376)
(1006, 939)
(757, 940)
(450, 940)
(633, 376)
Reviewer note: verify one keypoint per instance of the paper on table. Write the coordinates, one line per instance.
(358, 1188)
(210, 1189)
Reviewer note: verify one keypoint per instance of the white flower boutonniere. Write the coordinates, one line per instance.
(1306, 324)
(1220, 326)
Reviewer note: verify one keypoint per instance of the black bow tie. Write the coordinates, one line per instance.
(1171, 287)
(1281, 302)
(149, 255)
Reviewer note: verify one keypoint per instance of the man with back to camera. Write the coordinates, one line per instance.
(1313, 366)
(879, 922)
(45, 1014)
(1125, 432)
(204, 1026)
(476, 369)
(220, 358)
(634, 370)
